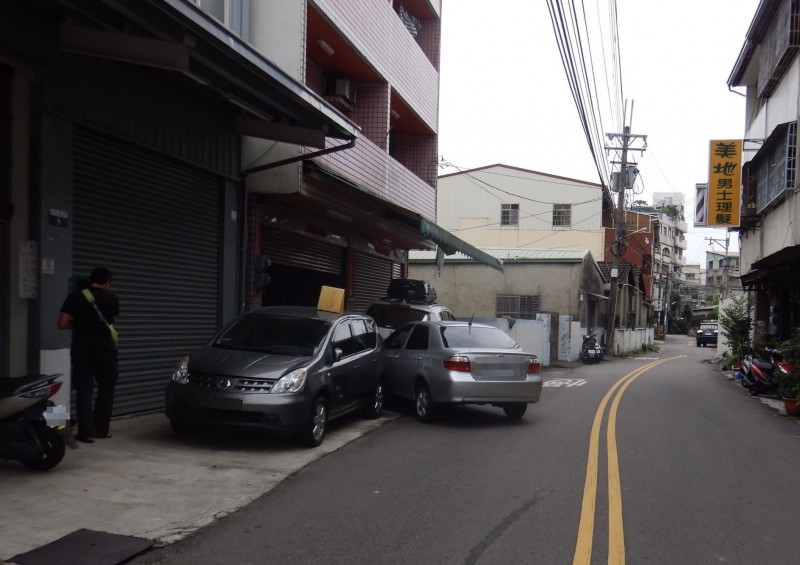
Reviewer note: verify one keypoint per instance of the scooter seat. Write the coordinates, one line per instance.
(761, 364)
(11, 384)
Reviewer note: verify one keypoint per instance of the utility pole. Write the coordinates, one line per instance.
(622, 182)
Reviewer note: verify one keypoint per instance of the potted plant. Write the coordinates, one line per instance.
(788, 373)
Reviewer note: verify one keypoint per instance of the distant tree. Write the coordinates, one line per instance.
(671, 211)
(736, 324)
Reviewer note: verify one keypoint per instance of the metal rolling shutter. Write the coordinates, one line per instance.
(371, 279)
(155, 223)
(286, 248)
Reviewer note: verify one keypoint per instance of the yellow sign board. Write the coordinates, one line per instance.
(724, 183)
(331, 299)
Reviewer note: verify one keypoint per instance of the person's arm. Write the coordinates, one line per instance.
(64, 321)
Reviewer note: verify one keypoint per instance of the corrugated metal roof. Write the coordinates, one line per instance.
(522, 255)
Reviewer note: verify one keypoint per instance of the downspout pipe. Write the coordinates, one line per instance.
(244, 211)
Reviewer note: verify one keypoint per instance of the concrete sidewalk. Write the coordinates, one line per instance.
(147, 482)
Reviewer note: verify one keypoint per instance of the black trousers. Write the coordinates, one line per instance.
(90, 364)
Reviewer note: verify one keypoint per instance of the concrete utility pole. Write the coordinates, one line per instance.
(624, 181)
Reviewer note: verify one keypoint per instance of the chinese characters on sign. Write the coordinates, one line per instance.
(724, 183)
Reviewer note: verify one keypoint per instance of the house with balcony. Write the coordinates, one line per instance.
(669, 247)
(722, 274)
(339, 213)
(767, 71)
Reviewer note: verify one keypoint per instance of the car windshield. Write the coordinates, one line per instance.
(387, 316)
(471, 337)
(274, 334)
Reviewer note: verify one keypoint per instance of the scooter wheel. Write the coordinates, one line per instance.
(52, 448)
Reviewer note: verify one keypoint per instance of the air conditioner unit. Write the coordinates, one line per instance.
(341, 87)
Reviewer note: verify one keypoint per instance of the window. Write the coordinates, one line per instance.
(342, 339)
(419, 338)
(522, 307)
(398, 338)
(509, 214)
(231, 13)
(363, 336)
(562, 215)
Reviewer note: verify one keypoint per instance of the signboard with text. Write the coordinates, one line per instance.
(724, 183)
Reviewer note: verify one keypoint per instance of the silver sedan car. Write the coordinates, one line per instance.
(446, 362)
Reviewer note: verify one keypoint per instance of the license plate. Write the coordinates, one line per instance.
(225, 403)
(591, 352)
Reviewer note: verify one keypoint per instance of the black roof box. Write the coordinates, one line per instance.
(411, 290)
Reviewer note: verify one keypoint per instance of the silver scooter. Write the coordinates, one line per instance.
(33, 430)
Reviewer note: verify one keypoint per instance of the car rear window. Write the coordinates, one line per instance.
(471, 337)
(274, 334)
(387, 316)
(708, 326)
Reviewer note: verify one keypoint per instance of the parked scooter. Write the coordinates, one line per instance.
(25, 433)
(591, 351)
(757, 371)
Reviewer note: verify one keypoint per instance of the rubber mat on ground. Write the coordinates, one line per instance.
(85, 547)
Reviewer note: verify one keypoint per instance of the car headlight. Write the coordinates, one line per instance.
(181, 374)
(292, 382)
(699, 332)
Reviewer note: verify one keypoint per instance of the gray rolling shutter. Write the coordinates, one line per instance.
(155, 223)
(286, 248)
(371, 279)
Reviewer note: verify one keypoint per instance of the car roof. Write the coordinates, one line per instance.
(405, 304)
(303, 312)
(453, 323)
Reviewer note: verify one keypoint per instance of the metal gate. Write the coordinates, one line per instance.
(155, 223)
(295, 250)
(371, 279)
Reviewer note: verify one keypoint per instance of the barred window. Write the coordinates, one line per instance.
(509, 214)
(562, 215)
(515, 306)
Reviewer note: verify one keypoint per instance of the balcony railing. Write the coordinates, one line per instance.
(680, 242)
(372, 169)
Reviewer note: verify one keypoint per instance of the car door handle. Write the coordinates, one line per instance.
(418, 357)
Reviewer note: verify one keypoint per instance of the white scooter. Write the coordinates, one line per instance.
(33, 430)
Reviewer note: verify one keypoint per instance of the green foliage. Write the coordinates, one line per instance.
(790, 383)
(671, 211)
(736, 324)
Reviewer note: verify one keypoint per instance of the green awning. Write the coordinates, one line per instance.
(450, 244)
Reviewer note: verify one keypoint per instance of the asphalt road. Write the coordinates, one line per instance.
(657, 460)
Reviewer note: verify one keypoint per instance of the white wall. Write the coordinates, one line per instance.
(469, 205)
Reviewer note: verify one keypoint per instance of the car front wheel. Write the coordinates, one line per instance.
(423, 402)
(317, 424)
(516, 410)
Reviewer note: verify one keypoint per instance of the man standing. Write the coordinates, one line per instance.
(90, 314)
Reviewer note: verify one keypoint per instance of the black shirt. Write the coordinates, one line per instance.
(87, 327)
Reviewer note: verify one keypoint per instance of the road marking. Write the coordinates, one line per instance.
(616, 532)
(556, 383)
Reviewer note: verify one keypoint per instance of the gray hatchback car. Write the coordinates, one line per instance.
(440, 362)
(283, 369)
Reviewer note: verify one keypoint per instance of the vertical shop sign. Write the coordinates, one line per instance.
(724, 183)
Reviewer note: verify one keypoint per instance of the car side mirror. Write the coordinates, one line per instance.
(337, 354)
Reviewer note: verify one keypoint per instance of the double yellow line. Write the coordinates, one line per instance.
(616, 532)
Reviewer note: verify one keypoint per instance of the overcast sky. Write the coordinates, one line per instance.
(504, 95)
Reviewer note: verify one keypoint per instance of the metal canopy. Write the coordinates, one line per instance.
(450, 244)
(177, 35)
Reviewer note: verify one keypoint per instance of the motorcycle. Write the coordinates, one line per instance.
(757, 371)
(591, 351)
(26, 434)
